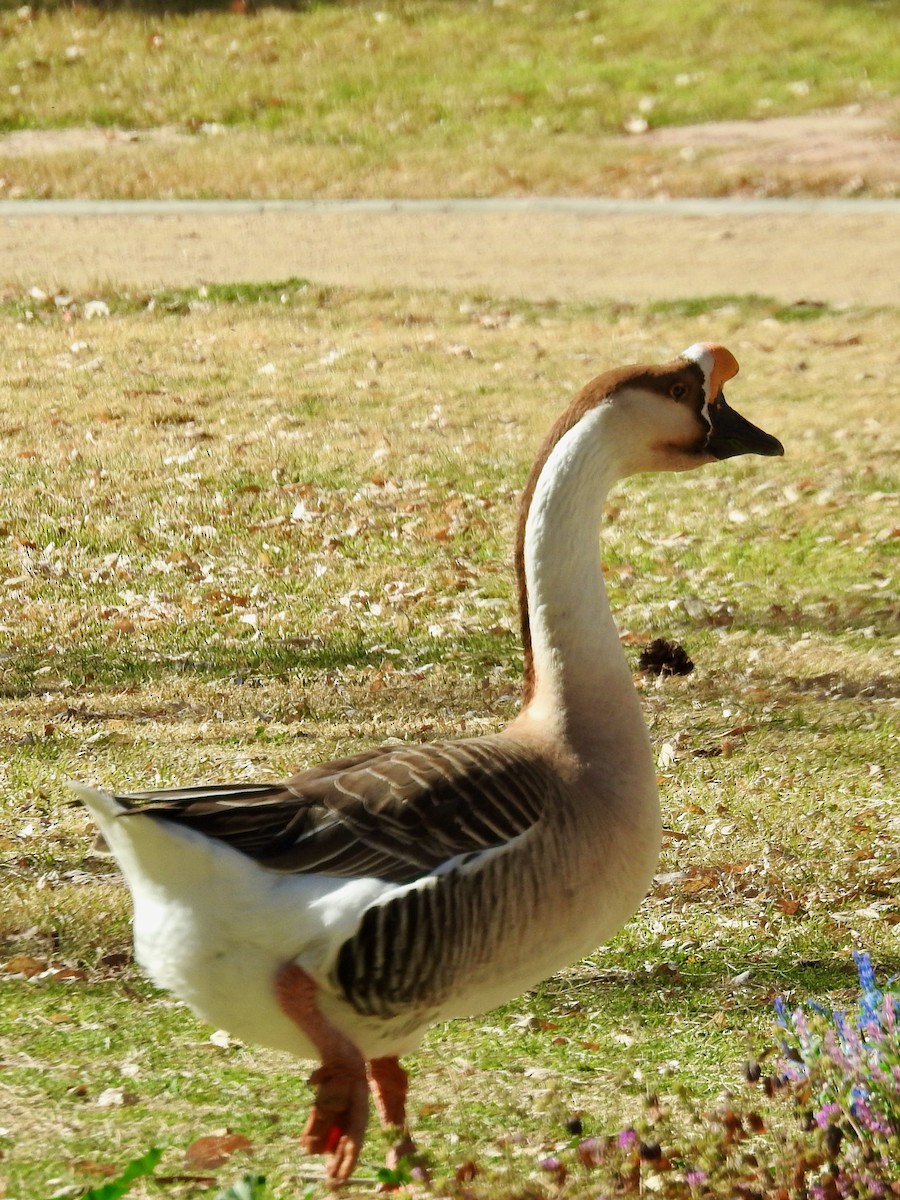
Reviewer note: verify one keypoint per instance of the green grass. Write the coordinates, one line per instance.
(357, 75)
(447, 97)
(208, 572)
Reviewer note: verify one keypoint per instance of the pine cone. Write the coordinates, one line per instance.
(663, 657)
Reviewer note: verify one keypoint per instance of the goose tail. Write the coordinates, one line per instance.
(103, 807)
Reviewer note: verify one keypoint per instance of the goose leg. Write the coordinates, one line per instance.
(340, 1112)
(389, 1084)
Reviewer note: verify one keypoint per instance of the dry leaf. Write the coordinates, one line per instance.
(702, 882)
(675, 835)
(432, 1109)
(89, 1167)
(24, 964)
(70, 973)
(215, 1149)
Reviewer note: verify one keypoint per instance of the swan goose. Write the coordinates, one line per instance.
(339, 914)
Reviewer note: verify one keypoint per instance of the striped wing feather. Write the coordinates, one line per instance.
(394, 813)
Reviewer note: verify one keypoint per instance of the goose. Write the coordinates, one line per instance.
(339, 914)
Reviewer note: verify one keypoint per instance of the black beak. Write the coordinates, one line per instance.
(732, 434)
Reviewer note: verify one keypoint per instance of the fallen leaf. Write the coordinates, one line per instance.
(675, 835)
(118, 958)
(466, 1172)
(70, 973)
(24, 964)
(94, 1168)
(432, 1109)
(699, 884)
(215, 1149)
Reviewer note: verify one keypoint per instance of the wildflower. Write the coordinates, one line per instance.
(825, 1114)
(866, 973)
(555, 1167)
(835, 1051)
(890, 1013)
(846, 1071)
(591, 1152)
(861, 1109)
(627, 1139)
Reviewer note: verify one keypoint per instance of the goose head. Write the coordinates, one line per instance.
(668, 417)
(674, 417)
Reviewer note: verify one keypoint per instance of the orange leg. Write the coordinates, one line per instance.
(389, 1084)
(340, 1113)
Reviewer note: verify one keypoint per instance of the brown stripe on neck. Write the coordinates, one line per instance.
(591, 395)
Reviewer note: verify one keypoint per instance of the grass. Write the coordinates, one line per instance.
(448, 97)
(243, 531)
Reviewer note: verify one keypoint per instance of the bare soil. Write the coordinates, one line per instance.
(844, 152)
(835, 258)
(540, 253)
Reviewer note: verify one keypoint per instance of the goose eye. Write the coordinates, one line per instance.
(678, 391)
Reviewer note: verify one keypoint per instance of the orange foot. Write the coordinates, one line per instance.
(389, 1083)
(340, 1113)
(339, 1116)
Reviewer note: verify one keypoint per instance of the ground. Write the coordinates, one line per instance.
(852, 148)
(540, 252)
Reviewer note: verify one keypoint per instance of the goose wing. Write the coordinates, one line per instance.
(394, 813)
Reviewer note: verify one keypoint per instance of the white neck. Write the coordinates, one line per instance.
(582, 683)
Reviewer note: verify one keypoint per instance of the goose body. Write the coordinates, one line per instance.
(338, 915)
(391, 955)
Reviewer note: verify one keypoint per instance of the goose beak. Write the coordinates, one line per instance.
(731, 434)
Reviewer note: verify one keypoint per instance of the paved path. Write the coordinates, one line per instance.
(841, 252)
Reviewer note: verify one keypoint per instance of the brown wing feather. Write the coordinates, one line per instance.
(396, 813)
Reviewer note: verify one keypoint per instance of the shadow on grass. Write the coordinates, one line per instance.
(664, 984)
(247, 664)
(31, 671)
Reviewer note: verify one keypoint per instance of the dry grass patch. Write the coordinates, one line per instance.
(826, 154)
(249, 529)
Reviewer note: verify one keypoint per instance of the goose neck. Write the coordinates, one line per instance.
(576, 673)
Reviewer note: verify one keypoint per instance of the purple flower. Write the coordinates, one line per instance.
(590, 1151)
(627, 1139)
(862, 1110)
(890, 1015)
(694, 1178)
(846, 1068)
(849, 1036)
(865, 971)
(871, 997)
(801, 1028)
(835, 1051)
(825, 1113)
